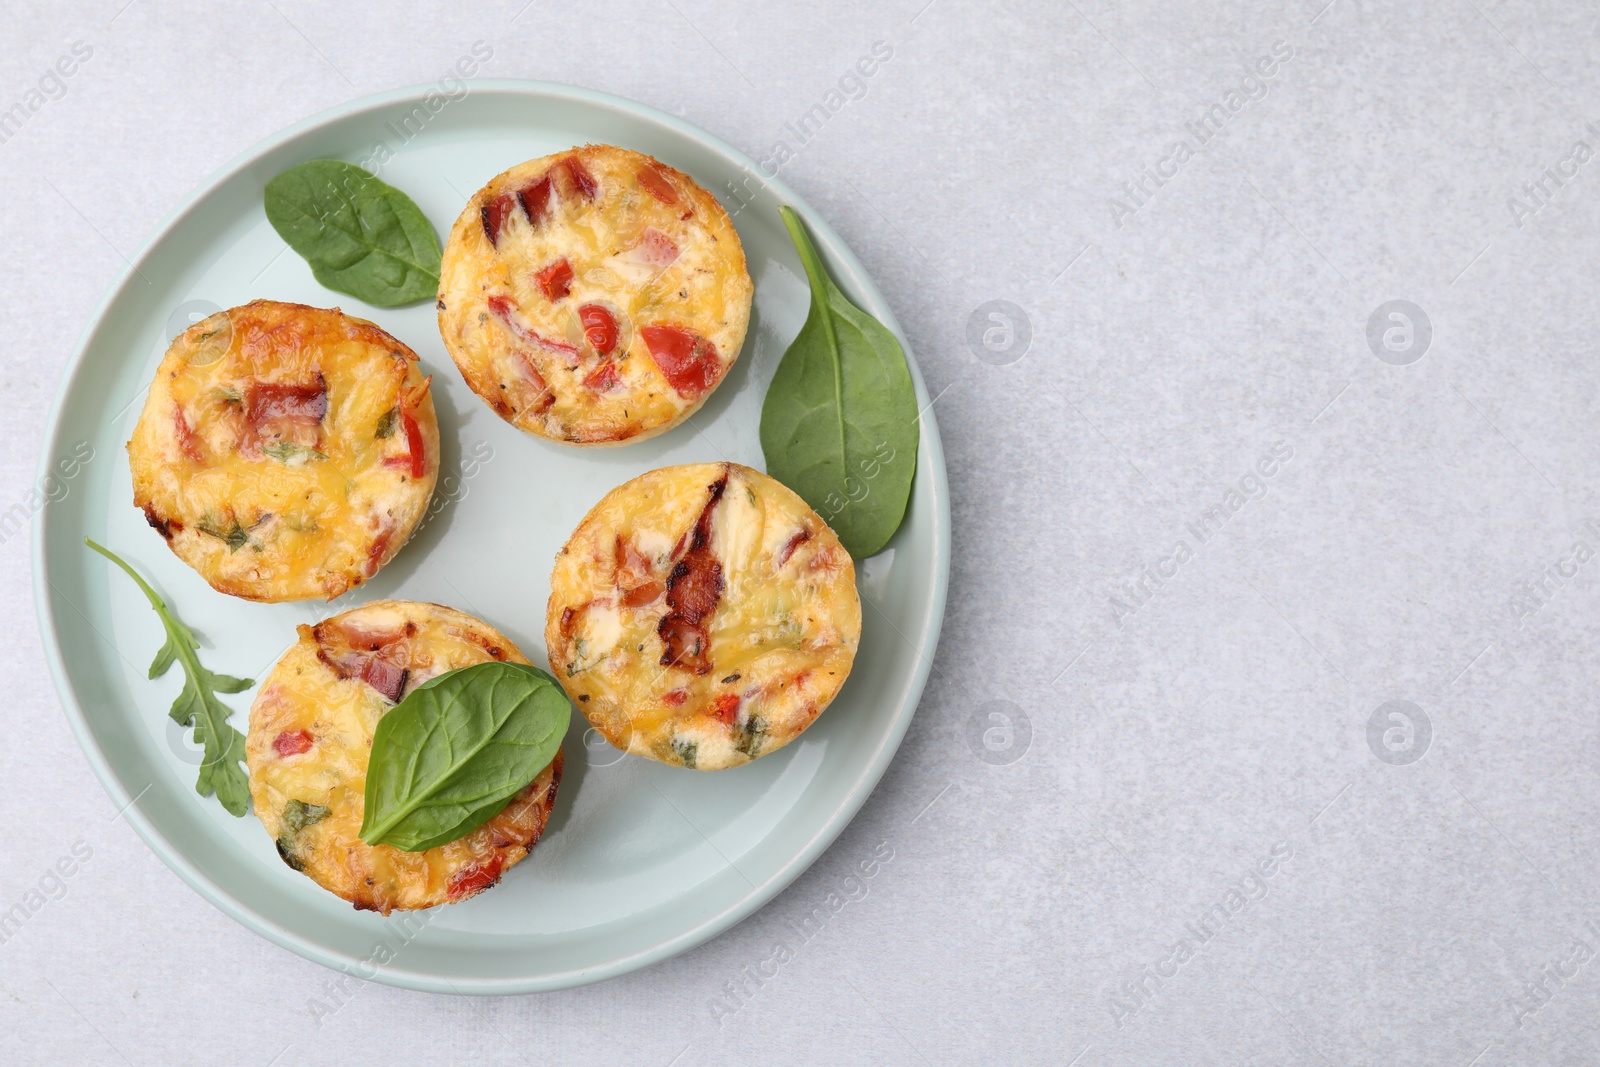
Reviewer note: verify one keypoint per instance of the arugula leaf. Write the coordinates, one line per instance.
(361, 235)
(197, 705)
(839, 424)
(288, 452)
(454, 752)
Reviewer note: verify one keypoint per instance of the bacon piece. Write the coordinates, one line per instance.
(535, 200)
(268, 401)
(635, 577)
(640, 595)
(286, 411)
(693, 590)
(657, 184)
(686, 644)
(632, 566)
(556, 280)
(529, 389)
(599, 328)
(354, 635)
(371, 656)
(725, 709)
(475, 879)
(794, 542)
(494, 215)
(187, 440)
(387, 678)
(695, 585)
(579, 178)
(506, 311)
(676, 697)
(688, 360)
(292, 743)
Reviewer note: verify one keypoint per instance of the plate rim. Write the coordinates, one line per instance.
(177, 860)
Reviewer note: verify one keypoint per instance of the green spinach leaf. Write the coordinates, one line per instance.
(197, 705)
(449, 756)
(361, 235)
(839, 424)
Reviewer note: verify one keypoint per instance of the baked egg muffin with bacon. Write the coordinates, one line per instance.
(311, 730)
(702, 615)
(284, 451)
(594, 296)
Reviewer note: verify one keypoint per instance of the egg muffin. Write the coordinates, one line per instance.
(702, 615)
(311, 729)
(594, 296)
(284, 451)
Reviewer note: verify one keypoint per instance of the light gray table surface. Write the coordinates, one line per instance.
(1218, 501)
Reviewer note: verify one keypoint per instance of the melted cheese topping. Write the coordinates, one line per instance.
(780, 639)
(310, 737)
(277, 450)
(639, 240)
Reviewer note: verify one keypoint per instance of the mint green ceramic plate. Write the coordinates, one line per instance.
(640, 860)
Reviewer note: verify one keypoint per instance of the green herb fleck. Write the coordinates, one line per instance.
(386, 423)
(788, 633)
(236, 536)
(685, 750)
(297, 815)
(580, 657)
(291, 453)
(197, 705)
(755, 735)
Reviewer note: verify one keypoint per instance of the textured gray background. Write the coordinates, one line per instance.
(1153, 755)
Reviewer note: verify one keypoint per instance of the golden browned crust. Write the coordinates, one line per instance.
(311, 729)
(702, 615)
(546, 242)
(284, 451)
